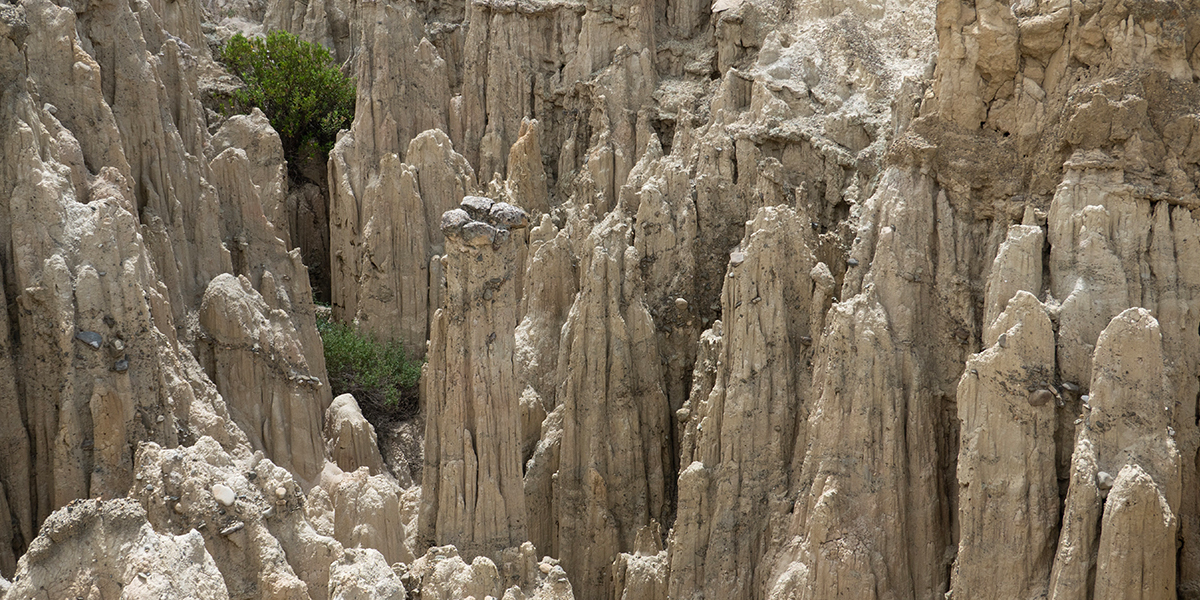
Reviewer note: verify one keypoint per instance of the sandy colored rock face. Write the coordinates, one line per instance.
(1006, 462)
(823, 299)
(350, 439)
(259, 364)
(1125, 472)
(743, 435)
(107, 549)
(472, 495)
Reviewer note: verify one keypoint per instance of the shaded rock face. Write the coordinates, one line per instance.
(737, 467)
(615, 462)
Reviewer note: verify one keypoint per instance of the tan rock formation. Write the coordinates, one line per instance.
(1124, 430)
(349, 439)
(91, 363)
(870, 517)
(740, 468)
(364, 575)
(331, 23)
(526, 182)
(251, 179)
(258, 363)
(442, 574)
(551, 282)
(249, 511)
(384, 232)
(1006, 463)
(369, 512)
(472, 495)
(615, 458)
(107, 549)
(643, 574)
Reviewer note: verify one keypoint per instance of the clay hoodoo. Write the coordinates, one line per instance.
(472, 495)
(1125, 478)
(1006, 463)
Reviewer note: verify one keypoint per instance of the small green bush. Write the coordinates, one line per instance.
(378, 373)
(296, 84)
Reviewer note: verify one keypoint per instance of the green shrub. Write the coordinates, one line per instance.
(378, 373)
(296, 84)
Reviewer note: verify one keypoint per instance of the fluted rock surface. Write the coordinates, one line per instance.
(472, 495)
(1006, 463)
(349, 438)
(258, 363)
(385, 217)
(1125, 473)
(615, 461)
(91, 362)
(743, 436)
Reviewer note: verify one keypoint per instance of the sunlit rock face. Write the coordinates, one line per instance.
(718, 299)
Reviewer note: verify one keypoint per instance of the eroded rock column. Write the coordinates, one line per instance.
(1125, 478)
(473, 495)
(746, 429)
(1006, 459)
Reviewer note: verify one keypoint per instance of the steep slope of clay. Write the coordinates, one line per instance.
(615, 462)
(1006, 462)
(1125, 478)
(384, 232)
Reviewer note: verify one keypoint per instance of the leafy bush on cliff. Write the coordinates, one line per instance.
(296, 84)
(378, 373)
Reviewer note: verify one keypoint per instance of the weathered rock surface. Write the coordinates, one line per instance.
(385, 218)
(744, 434)
(1006, 463)
(1124, 431)
(107, 549)
(957, 247)
(472, 495)
(364, 575)
(257, 361)
(349, 439)
(92, 362)
(442, 574)
(371, 511)
(261, 541)
(615, 462)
